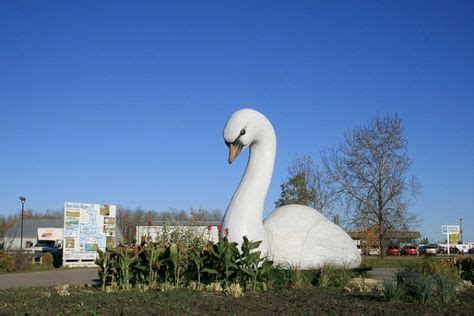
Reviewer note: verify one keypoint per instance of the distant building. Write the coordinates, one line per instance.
(368, 240)
(12, 237)
(208, 230)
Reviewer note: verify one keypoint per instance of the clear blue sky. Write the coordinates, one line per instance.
(125, 102)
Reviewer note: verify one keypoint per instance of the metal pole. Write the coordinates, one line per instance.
(460, 230)
(22, 200)
(447, 236)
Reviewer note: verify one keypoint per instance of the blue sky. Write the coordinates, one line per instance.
(125, 102)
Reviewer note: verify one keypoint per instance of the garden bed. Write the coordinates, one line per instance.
(87, 300)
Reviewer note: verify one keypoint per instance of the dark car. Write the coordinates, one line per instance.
(454, 250)
(471, 250)
(393, 250)
(409, 251)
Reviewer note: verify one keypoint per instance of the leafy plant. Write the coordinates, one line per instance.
(466, 267)
(153, 253)
(392, 291)
(197, 258)
(125, 262)
(446, 288)
(221, 264)
(419, 287)
(334, 276)
(104, 262)
(255, 268)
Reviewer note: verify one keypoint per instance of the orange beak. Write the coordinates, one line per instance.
(234, 151)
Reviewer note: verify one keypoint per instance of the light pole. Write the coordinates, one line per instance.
(460, 230)
(22, 200)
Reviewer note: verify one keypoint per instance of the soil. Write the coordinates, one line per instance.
(326, 301)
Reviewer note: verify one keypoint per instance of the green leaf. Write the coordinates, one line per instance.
(210, 271)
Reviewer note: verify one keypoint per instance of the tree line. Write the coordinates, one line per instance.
(127, 218)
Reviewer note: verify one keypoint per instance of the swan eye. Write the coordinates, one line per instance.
(242, 132)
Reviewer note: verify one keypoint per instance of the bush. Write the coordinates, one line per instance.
(22, 260)
(47, 259)
(392, 291)
(419, 288)
(7, 262)
(432, 279)
(334, 276)
(466, 265)
(447, 288)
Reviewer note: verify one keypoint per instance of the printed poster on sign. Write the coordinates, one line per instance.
(87, 227)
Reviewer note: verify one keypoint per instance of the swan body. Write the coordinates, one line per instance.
(293, 234)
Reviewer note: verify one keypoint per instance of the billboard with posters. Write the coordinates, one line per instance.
(87, 227)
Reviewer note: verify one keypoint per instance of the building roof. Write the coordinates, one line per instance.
(30, 227)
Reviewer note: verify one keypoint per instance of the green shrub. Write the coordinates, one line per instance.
(392, 291)
(466, 265)
(419, 287)
(334, 276)
(446, 288)
(282, 277)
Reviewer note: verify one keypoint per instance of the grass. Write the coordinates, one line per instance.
(91, 300)
(396, 261)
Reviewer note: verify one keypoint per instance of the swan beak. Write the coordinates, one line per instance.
(234, 151)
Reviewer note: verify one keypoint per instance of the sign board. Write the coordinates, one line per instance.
(452, 234)
(87, 227)
(453, 238)
(50, 234)
(450, 229)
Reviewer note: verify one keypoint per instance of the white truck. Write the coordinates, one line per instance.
(49, 240)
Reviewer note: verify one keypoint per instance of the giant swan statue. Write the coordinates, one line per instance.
(293, 234)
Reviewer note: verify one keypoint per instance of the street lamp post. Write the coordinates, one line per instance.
(22, 200)
(460, 230)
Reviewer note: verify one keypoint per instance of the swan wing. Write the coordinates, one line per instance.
(301, 236)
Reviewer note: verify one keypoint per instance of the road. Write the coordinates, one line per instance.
(383, 273)
(48, 278)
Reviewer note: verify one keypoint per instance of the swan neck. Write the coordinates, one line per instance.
(244, 216)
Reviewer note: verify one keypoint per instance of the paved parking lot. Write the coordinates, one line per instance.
(48, 278)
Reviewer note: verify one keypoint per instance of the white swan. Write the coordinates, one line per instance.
(293, 234)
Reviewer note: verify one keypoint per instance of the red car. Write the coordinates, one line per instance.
(393, 251)
(409, 251)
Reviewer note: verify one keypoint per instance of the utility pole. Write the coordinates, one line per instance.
(22, 200)
(460, 231)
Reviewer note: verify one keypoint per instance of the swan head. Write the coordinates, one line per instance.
(243, 129)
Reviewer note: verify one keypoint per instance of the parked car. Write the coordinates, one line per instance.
(471, 251)
(431, 249)
(409, 251)
(393, 250)
(43, 246)
(374, 251)
(454, 250)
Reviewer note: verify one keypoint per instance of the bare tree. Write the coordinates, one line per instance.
(370, 170)
(308, 185)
